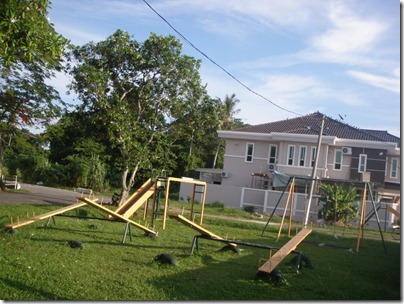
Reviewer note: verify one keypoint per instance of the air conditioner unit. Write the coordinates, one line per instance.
(225, 174)
(347, 150)
(271, 167)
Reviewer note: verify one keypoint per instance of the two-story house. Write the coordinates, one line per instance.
(288, 147)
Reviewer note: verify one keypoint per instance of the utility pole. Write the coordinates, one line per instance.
(313, 175)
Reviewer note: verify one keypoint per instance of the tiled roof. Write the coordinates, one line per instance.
(311, 124)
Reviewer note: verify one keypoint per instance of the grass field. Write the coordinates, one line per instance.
(38, 264)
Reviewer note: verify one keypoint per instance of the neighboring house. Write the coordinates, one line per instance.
(289, 146)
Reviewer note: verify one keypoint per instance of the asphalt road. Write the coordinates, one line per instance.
(35, 194)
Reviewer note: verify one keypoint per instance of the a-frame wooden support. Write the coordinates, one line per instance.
(290, 198)
(277, 203)
(363, 219)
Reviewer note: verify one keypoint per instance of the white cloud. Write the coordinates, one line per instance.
(349, 34)
(388, 83)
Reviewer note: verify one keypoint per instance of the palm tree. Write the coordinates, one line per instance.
(228, 112)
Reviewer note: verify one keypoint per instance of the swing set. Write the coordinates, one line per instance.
(367, 190)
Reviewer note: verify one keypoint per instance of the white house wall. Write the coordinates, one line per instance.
(344, 173)
(229, 195)
(238, 171)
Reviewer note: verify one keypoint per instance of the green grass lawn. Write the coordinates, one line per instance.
(38, 264)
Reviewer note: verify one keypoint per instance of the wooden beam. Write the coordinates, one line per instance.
(195, 226)
(137, 199)
(183, 180)
(119, 216)
(283, 252)
(129, 206)
(394, 211)
(198, 228)
(45, 215)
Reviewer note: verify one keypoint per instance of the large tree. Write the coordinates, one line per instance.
(195, 136)
(136, 90)
(30, 50)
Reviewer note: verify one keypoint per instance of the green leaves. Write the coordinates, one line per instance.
(26, 36)
(135, 90)
(339, 202)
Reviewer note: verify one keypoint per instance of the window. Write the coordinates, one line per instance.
(393, 168)
(362, 163)
(291, 155)
(249, 152)
(302, 156)
(338, 160)
(313, 156)
(272, 154)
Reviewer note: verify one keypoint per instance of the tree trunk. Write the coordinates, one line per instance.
(124, 188)
(127, 185)
(216, 154)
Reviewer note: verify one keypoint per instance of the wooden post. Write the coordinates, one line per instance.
(182, 180)
(362, 221)
(193, 201)
(146, 206)
(203, 203)
(286, 208)
(166, 204)
(291, 207)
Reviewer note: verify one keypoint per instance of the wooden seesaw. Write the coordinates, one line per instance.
(44, 216)
(270, 264)
(84, 201)
(284, 251)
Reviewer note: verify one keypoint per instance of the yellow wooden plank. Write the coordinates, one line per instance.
(197, 227)
(394, 211)
(133, 198)
(284, 251)
(186, 180)
(45, 215)
(136, 204)
(110, 212)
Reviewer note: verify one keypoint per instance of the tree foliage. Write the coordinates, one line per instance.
(227, 121)
(30, 50)
(339, 203)
(26, 36)
(135, 90)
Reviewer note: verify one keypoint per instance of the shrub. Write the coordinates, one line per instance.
(250, 209)
(339, 203)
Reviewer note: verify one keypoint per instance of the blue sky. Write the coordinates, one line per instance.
(336, 57)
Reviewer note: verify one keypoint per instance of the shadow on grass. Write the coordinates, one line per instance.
(370, 274)
(151, 244)
(28, 289)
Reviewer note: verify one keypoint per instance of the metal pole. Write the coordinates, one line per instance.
(313, 175)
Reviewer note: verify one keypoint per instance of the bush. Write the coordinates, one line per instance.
(339, 203)
(250, 209)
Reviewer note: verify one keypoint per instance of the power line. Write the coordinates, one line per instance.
(215, 63)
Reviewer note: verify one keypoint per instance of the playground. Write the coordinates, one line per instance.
(117, 259)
